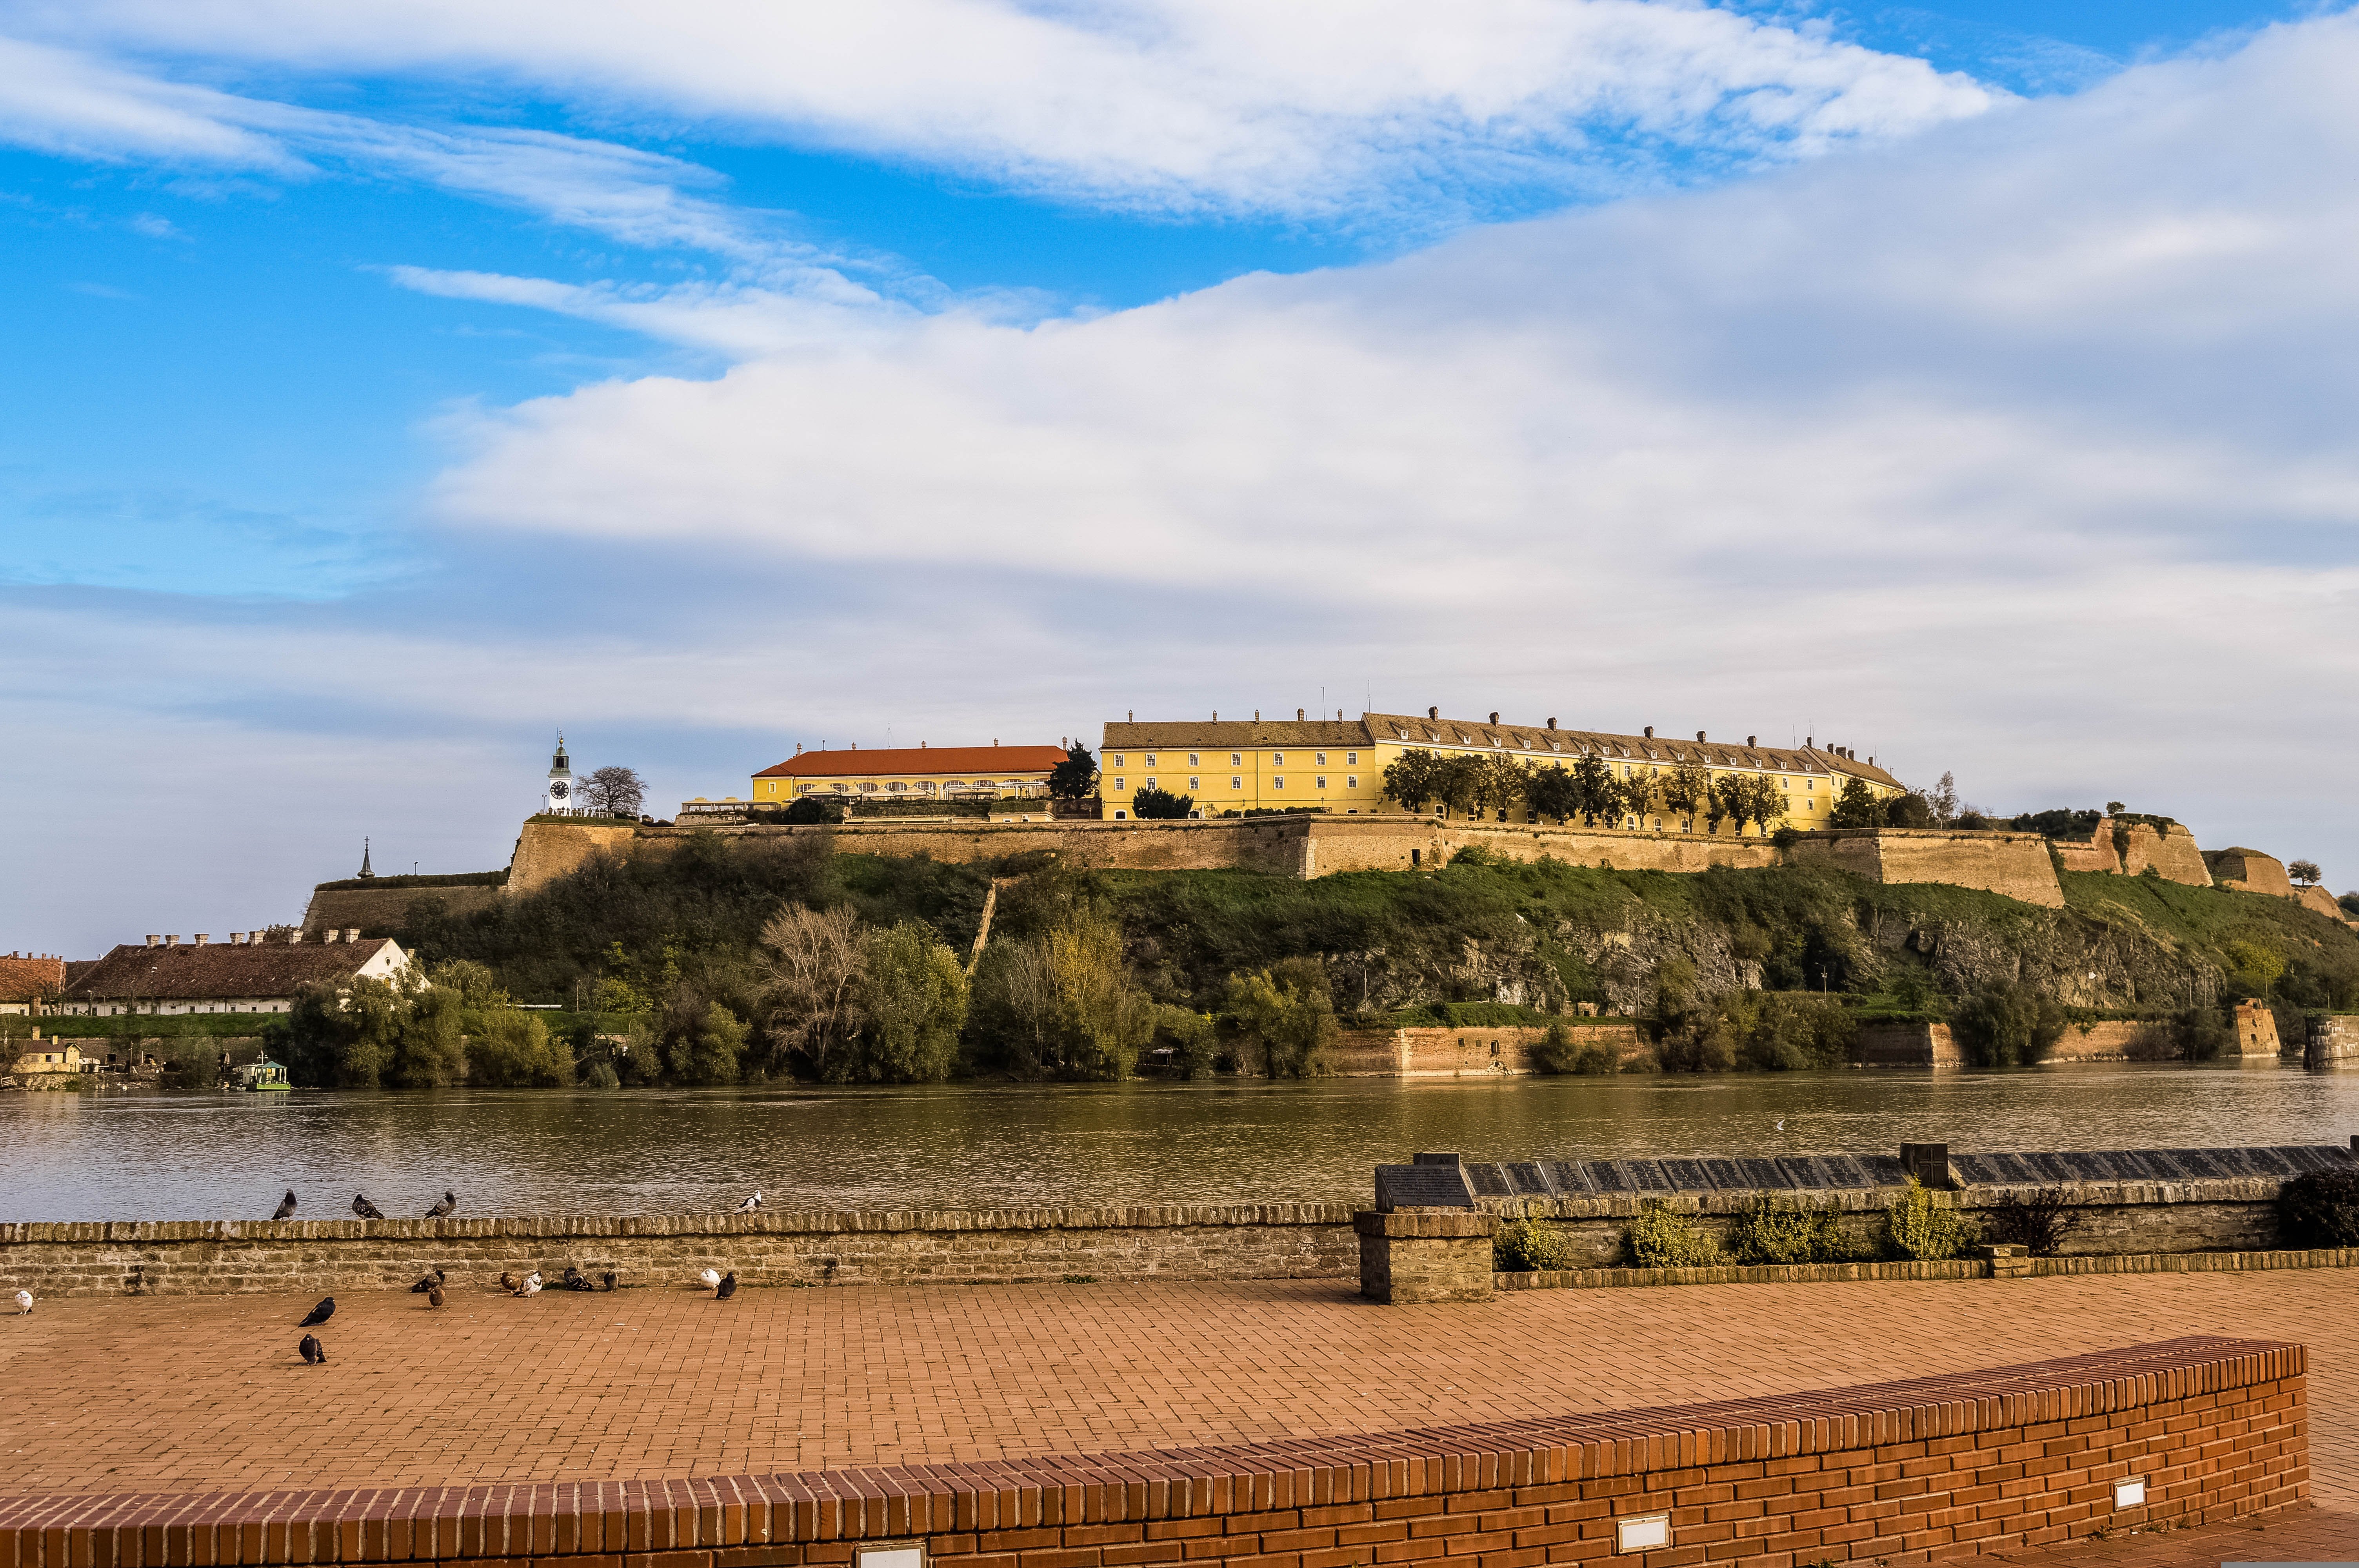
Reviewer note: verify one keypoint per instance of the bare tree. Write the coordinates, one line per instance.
(619, 791)
(810, 964)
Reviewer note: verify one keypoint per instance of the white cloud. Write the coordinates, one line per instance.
(1317, 106)
(58, 101)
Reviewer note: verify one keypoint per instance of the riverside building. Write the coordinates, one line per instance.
(1338, 764)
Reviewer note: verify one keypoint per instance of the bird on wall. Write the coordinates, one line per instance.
(320, 1313)
(313, 1351)
(285, 1205)
(450, 1201)
(24, 1301)
(365, 1209)
(710, 1278)
(751, 1203)
(728, 1286)
(428, 1282)
(434, 1297)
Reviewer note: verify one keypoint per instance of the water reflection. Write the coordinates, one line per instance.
(159, 1156)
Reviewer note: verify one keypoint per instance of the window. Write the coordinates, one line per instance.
(1236, 783)
(1235, 759)
(1194, 762)
(1320, 783)
(1117, 785)
(1194, 784)
(1277, 783)
(1322, 760)
(1150, 762)
(1351, 782)
(1351, 759)
(1278, 759)
(1116, 759)
(1147, 784)
(869, 788)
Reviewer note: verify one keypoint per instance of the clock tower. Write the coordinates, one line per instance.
(564, 792)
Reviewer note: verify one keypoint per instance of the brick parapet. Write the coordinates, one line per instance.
(1908, 1471)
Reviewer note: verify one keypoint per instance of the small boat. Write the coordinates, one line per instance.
(265, 1076)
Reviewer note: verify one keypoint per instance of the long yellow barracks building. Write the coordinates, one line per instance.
(911, 773)
(1339, 764)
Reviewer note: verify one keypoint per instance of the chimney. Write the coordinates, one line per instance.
(1650, 729)
(1134, 714)
(1699, 734)
(1298, 716)
(1216, 716)
(203, 938)
(294, 936)
(1809, 742)
(1433, 713)
(1494, 716)
(1753, 740)
(352, 933)
(237, 938)
(921, 745)
(152, 939)
(799, 748)
(173, 940)
(994, 740)
(1552, 723)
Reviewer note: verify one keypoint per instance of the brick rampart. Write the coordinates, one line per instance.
(380, 912)
(2015, 864)
(1469, 1052)
(1248, 1241)
(2250, 871)
(1907, 1472)
(2103, 1039)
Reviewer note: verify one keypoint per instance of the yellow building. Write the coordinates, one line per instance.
(911, 773)
(1339, 764)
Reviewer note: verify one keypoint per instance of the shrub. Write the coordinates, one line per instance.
(1189, 1038)
(1562, 1050)
(1161, 805)
(2320, 1209)
(1777, 1229)
(515, 1050)
(1288, 1011)
(2039, 1224)
(2009, 1026)
(1523, 1248)
(2201, 1034)
(1923, 1226)
(912, 998)
(1661, 1236)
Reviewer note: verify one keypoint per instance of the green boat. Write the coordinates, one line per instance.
(265, 1076)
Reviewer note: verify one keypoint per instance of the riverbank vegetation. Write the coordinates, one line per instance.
(726, 961)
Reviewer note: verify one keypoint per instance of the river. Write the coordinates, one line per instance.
(222, 1156)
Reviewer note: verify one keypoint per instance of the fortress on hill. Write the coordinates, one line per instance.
(1315, 788)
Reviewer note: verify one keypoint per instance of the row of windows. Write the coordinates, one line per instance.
(1237, 760)
(1351, 781)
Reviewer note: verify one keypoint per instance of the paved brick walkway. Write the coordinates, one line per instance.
(189, 1394)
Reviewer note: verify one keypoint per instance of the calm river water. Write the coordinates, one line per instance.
(217, 1156)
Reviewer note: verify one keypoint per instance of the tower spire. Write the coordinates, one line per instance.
(364, 862)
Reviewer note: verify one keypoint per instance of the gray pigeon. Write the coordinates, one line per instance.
(450, 1201)
(313, 1351)
(365, 1209)
(320, 1313)
(285, 1205)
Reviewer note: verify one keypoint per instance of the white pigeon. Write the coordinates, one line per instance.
(711, 1279)
(24, 1300)
(750, 1205)
(532, 1283)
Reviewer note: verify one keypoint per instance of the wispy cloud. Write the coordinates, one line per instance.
(1317, 108)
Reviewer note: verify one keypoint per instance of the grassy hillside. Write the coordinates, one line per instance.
(1539, 936)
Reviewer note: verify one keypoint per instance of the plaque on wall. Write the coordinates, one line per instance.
(1423, 1186)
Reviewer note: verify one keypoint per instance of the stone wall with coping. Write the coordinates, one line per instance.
(381, 912)
(2103, 1039)
(2013, 864)
(1469, 1052)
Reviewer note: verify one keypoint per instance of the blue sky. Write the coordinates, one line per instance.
(385, 387)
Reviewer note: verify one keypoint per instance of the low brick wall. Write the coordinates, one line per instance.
(1948, 1268)
(1245, 1241)
(1914, 1471)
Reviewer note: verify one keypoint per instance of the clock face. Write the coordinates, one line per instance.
(557, 790)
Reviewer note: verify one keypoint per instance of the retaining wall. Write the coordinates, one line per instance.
(378, 912)
(1468, 1053)
(2015, 1457)
(2015, 864)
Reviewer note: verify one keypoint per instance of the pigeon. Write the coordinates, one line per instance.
(532, 1284)
(450, 1201)
(434, 1297)
(365, 1209)
(428, 1283)
(320, 1313)
(575, 1280)
(751, 1203)
(728, 1287)
(25, 1299)
(508, 1284)
(710, 1278)
(606, 1280)
(285, 1205)
(313, 1351)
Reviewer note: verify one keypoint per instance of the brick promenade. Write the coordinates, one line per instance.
(202, 1394)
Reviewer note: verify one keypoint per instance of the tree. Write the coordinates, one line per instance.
(2113, 808)
(1161, 805)
(1062, 1006)
(1410, 779)
(2009, 1026)
(1499, 782)
(1551, 793)
(706, 1047)
(430, 1051)
(809, 967)
(1595, 793)
(913, 1001)
(1289, 1012)
(515, 1050)
(1856, 807)
(1076, 777)
(1941, 800)
(1909, 810)
(1458, 782)
(1686, 788)
(1637, 797)
(2256, 966)
(619, 791)
(2306, 872)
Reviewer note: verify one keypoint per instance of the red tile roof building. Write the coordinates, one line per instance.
(911, 772)
(226, 976)
(27, 983)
